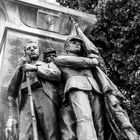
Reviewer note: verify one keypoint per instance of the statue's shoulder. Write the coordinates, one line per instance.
(41, 63)
(44, 63)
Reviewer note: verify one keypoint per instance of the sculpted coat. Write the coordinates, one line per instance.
(45, 98)
(116, 116)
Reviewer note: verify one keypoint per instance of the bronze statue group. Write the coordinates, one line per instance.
(71, 97)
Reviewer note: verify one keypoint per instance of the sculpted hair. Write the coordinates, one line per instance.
(81, 53)
(29, 43)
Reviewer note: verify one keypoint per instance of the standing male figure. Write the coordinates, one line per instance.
(90, 91)
(42, 78)
(66, 116)
(79, 87)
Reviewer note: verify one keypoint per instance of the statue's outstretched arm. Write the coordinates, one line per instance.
(49, 72)
(76, 62)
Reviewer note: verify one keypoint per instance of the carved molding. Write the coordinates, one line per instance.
(51, 17)
(27, 30)
(40, 4)
(51, 1)
(3, 12)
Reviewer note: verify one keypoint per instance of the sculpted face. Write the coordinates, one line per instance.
(74, 46)
(50, 57)
(32, 50)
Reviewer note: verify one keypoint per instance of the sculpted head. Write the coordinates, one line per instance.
(49, 55)
(74, 45)
(32, 50)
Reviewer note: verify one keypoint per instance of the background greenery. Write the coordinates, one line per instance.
(117, 34)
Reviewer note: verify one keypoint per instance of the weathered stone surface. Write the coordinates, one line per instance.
(23, 20)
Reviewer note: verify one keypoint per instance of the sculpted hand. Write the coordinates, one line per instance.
(29, 67)
(73, 21)
(92, 55)
(95, 61)
(24, 59)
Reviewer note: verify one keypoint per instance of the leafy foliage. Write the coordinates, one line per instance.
(82, 5)
(117, 35)
(119, 25)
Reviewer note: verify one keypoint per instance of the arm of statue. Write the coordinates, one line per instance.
(91, 49)
(13, 88)
(49, 72)
(76, 62)
(101, 64)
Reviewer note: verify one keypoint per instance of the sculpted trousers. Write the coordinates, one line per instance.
(97, 106)
(67, 123)
(45, 111)
(82, 109)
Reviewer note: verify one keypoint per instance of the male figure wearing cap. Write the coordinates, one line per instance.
(49, 55)
(65, 113)
(79, 86)
(42, 76)
(85, 87)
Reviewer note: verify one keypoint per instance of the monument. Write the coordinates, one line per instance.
(44, 21)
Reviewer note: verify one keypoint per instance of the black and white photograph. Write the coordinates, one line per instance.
(69, 70)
